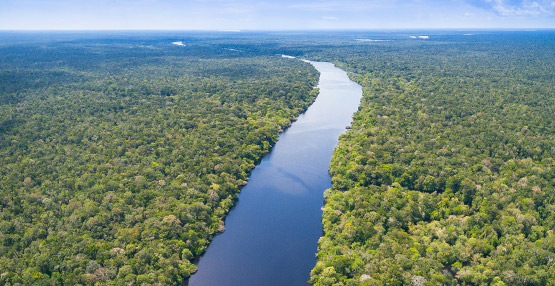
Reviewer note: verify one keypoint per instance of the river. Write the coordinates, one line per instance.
(272, 232)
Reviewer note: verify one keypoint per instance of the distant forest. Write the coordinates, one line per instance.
(122, 154)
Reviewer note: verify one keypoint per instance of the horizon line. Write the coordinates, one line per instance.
(279, 30)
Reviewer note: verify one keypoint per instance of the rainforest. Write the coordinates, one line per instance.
(122, 153)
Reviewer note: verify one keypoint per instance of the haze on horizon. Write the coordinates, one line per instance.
(274, 15)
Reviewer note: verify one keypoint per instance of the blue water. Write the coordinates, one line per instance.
(272, 233)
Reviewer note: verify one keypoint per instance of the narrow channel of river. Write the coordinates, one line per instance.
(271, 234)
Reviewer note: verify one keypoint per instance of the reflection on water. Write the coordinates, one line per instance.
(272, 233)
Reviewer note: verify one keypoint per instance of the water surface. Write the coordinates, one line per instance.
(272, 233)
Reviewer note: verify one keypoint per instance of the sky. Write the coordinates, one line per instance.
(274, 15)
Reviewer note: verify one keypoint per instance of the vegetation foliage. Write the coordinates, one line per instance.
(120, 161)
(122, 154)
(446, 176)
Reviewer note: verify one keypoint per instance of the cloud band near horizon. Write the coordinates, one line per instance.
(283, 15)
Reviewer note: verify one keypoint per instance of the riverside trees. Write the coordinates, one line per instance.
(120, 161)
(446, 176)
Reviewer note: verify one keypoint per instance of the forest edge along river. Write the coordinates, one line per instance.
(271, 234)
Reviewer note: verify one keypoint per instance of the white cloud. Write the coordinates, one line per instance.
(329, 18)
(519, 8)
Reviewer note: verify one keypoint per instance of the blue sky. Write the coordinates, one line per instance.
(273, 15)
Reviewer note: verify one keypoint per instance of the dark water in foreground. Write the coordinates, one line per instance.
(272, 233)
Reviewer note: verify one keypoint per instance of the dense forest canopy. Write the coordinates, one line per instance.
(120, 159)
(122, 153)
(446, 176)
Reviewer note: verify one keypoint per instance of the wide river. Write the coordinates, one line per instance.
(271, 234)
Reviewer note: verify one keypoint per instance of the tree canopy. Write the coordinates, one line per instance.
(446, 175)
(120, 162)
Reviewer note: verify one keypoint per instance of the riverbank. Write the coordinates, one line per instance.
(272, 233)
